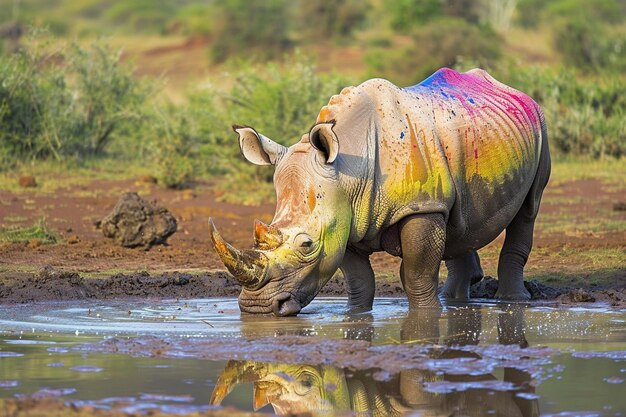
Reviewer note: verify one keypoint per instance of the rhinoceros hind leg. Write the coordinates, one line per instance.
(422, 238)
(359, 277)
(519, 233)
(462, 273)
(513, 256)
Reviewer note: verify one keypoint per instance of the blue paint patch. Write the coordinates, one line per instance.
(471, 100)
(443, 93)
(438, 79)
(401, 135)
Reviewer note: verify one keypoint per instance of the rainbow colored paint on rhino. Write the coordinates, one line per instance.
(466, 125)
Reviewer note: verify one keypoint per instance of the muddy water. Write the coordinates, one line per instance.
(179, 356)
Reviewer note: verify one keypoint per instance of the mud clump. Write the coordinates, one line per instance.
(485, 288)
(135, 222)
(578, 295)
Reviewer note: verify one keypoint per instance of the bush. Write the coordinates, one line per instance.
(584, 117)
(444, 42)
(589, 46)
(321, 19)
(66, 102)
(408, 14)
(173, 148)
(252, 26)
(279, 100)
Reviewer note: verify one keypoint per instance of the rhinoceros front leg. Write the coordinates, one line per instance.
(462, 273)
(359, 277)
(422, 238)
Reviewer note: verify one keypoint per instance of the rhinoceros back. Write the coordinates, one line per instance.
(491, 135)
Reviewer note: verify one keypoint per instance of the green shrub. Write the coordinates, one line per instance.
(192, 20)
(67, 102)
(443, 42)
(585, 117)
(322, 19)
(279, 100)
(251, 26)
(173, 148)
(408, 14)
(38, 231)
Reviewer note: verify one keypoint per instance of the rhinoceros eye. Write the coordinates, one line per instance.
(303, 242)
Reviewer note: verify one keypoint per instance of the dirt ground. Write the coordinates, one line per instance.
(85, 264)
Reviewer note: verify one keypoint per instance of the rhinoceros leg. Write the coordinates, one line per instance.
(462, 273)
(359, 277)
(513, 256)
(519, 234)
(422, 238)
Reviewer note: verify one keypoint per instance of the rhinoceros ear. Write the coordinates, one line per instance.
(323, 138)
(257, 148)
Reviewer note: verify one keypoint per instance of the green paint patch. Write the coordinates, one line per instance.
(38, 231)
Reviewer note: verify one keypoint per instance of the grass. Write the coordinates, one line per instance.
(54, 175)
(610, 171)
(38, 231)
(576, 225)
(566, 266)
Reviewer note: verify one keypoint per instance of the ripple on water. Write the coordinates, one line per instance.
(86, 368)
(619, 355)
(6, 354)
(53, 392)
(56, 365)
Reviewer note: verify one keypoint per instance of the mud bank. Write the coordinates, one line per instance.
(53, 284)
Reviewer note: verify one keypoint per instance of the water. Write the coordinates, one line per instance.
(179, 356)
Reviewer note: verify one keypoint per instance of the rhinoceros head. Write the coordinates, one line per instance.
(302, 248)
(291, 389)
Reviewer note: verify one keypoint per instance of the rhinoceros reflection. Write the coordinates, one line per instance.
(294, 389)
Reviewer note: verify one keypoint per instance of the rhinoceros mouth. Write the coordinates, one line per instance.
(286, 304)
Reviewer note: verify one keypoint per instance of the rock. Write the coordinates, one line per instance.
(136, 222)
(27, 181)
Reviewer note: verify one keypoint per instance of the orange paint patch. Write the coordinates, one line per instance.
(325, 115)
(311, 199)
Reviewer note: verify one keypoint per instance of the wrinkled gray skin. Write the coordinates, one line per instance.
(338, 199)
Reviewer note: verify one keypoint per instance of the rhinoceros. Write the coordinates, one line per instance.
(428, 173)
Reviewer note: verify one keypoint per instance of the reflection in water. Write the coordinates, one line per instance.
(446, 386)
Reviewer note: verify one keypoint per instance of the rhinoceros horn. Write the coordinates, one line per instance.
(266, 237)
(247, 266)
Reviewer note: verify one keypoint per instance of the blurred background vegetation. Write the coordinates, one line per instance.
(157, 84)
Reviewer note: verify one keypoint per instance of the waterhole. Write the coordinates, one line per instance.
(180, 356)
